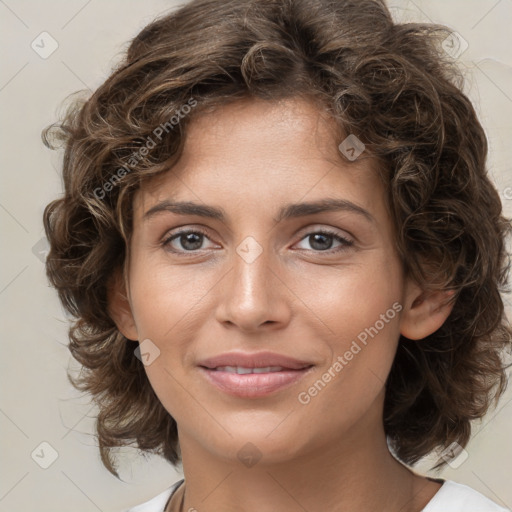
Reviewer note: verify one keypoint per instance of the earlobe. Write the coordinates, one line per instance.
(119, 307)
(425, 312)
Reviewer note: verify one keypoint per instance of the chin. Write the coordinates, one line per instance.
(254, 446)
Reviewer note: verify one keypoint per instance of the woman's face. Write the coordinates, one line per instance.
(252, 272)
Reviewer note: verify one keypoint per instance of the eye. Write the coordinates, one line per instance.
(189, 240)
(322, 241)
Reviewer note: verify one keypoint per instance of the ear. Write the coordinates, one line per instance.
(119, 307)
(424, 312)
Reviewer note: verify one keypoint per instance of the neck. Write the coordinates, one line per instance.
(354, 472)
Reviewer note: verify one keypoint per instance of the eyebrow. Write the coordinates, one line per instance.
(286, 212)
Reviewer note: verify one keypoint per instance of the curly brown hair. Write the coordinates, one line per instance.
(386, 82)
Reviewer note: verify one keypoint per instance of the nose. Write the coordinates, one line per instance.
(253, 295)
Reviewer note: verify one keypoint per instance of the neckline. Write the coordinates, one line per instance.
(174, 490)
(441, 481)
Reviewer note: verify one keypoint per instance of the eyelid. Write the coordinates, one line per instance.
(183, 230)
(173, 234)
(346, 242)
(323, 228)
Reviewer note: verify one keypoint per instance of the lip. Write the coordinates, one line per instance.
(253, 385)
(255, 360)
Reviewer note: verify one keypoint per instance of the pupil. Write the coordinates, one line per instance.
(189, 239)
(317, 239)
(321, 242)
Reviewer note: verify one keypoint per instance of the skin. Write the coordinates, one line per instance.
(249, 159)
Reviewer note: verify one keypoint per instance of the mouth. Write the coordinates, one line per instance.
(253, 376)
(240, 370)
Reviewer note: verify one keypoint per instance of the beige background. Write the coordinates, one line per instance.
(37, 404)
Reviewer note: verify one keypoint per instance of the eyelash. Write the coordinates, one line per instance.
(344, 241)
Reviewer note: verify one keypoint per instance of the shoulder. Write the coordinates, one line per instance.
(461, 498)
(158, 503)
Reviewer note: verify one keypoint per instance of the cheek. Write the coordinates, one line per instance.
(165, 298)
(349, 299)
(352, 384)
(358, 311)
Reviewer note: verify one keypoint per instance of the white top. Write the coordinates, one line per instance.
(454, 497)
(451, 497)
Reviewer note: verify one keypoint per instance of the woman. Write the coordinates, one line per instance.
(285, 256)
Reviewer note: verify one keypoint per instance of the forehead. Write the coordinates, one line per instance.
(256, 151)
